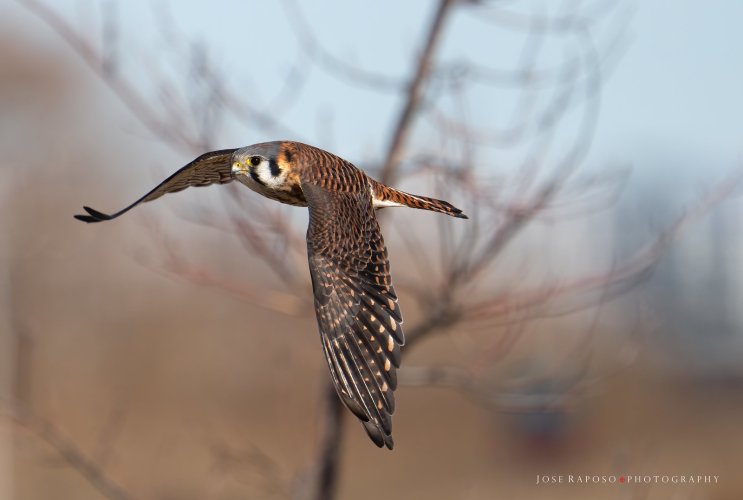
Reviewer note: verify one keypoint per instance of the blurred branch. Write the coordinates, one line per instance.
(204, 102)
(438, 376)
(316, 52)
(19, 407)
(563, 298)
(246, 466)
(73, 455)
(577, 18)
(534, 394)
(416, 87)
(107, 436)
(219, 98)
(21, 384)
(530, 393)
(326, 470)
(323, 477)
(124, 91)
(227, 99)
(174, 263)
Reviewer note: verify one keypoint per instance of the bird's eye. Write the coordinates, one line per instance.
(255, 160)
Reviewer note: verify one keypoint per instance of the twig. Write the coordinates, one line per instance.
(93, 472)
(125, 92)
(314, 50)
(324, 482)
(415, 90)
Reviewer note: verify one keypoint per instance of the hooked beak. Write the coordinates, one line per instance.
(239, 169)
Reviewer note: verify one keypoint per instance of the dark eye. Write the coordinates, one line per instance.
(255, 160)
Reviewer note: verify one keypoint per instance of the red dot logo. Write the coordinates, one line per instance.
(621, 479)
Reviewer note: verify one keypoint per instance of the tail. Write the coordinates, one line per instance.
(385, 196)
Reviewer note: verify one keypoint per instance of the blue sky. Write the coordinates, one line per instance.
(678, 87)
(675, 91)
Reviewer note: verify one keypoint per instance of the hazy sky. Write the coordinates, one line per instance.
(675, 92)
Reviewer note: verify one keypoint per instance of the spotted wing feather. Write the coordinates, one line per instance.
(356, 306)
(210, 168)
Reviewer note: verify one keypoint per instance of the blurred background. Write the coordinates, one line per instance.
(584, 321)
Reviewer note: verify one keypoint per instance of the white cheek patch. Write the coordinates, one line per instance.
(263, 171)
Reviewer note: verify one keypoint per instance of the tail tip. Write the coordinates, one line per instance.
(455, 212)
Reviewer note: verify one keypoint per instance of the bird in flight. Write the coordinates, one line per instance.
(356, 307)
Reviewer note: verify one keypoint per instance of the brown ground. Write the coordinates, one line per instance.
(161, 378)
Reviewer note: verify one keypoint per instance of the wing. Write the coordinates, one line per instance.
(356, 306)
(209, 168)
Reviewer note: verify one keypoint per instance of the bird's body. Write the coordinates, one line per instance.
(355, 303)
(281, 179)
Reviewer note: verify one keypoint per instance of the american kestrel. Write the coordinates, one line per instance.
(357, 313)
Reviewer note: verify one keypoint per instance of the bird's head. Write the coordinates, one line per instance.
(267, 164)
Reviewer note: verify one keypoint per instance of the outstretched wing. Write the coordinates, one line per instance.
(209, 168)
(356, 306)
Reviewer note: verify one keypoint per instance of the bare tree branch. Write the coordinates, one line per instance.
(126, 92)
(314, 50)
(324, 476)
(75, 457)
(415, 91)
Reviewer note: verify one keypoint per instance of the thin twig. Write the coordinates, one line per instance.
(75, 457)
(326, 468)
(402, 129)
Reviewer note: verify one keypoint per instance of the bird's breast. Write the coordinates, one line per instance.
(290, 193)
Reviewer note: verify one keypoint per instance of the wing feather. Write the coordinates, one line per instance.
(357, 312)
(210, 168)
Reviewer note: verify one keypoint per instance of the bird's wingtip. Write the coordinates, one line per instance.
(380, 438)
(98, 215)
(92, 216)
(85, 218)
(389, 443)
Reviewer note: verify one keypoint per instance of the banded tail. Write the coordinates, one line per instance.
(385, 196)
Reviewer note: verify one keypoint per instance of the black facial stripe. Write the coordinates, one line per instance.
(275, 170)
(288, 156)
(255, 177)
